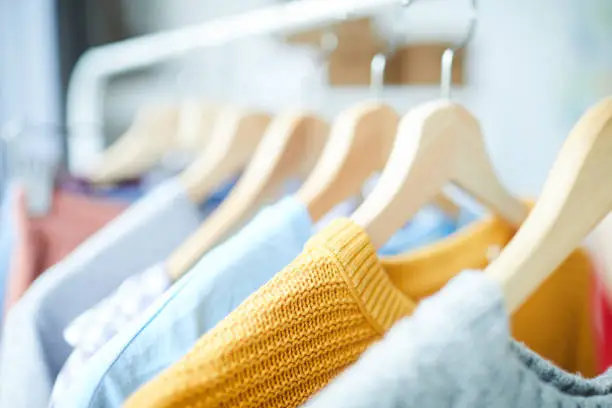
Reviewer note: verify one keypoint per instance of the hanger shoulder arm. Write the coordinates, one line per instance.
(476, 174)
(140, 147)
(288, 142)
(359, 144)
(576, 196)
(232, 144)
(420, 164)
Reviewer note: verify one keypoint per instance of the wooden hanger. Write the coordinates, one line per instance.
(196, 124)
(575, 197)
(290, 147)
(359, 144)
(236, 134)
(140, 148)
(437, 142)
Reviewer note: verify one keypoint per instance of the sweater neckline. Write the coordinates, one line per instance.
(390, 288)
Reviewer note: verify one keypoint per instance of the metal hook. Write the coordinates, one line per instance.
(328, 43)
(378, 66)
(377, 73)
(448, 56)
(379, 63)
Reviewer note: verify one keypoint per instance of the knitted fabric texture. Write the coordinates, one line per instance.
(456, 351)
(318, 315)
(292, 337)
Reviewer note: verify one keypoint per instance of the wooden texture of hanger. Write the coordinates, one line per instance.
(437, 142)
(447, 205)
(196, 124)
(140, 147)
(575, 197)
(235, 137)
(359, 144)
(290, 147)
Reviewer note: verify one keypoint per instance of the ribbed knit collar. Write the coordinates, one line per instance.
(390, 289)
(380, 300)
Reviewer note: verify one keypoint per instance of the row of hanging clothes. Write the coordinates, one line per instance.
(297, 261)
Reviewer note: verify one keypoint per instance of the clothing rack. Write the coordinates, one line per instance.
(95, 67)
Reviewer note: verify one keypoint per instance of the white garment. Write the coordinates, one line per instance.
(33, 346)
(89, 332)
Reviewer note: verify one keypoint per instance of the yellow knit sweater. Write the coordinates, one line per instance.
(318, 315)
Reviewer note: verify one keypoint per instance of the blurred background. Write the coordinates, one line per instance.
(528, 73)
(133, 157)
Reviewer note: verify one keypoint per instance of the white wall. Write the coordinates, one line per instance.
(529, 77)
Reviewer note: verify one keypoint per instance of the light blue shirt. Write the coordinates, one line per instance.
(216, 285)
(430, 225)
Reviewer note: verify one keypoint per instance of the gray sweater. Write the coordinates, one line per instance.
(456, 351)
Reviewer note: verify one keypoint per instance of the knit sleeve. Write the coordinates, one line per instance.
(279, 347)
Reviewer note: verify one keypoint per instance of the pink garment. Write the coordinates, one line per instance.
(44, 241)
(602, 314)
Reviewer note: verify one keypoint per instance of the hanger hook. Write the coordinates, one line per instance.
(379, 63)
(377, 69)
(328, 43)
(446, 78)
(377, 73)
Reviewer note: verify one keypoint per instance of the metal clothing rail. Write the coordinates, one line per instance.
(92, 71)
